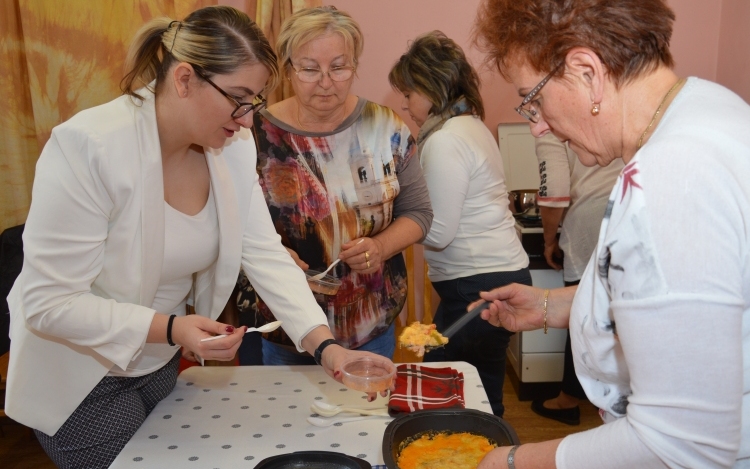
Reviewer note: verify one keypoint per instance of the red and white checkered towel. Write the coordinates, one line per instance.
(420, 387)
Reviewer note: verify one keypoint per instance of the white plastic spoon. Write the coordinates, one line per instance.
(329, 410)
(323, 274)
(326, 422)
(271, 326)
(333, 264)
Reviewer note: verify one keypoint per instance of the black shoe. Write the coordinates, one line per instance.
(567, 416)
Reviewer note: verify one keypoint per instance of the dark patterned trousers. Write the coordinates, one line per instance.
(108, 417)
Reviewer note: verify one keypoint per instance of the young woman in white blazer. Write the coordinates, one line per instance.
(135, 204)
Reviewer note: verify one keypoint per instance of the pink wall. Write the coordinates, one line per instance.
(733, 69)
(695, 40)
(388, 25)
(711, 40)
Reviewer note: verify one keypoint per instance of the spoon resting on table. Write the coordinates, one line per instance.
(326, 422)
(329, 410)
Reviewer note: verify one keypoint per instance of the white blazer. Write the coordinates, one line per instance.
(93, 252)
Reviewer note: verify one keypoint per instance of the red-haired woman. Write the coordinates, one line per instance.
(660, 322)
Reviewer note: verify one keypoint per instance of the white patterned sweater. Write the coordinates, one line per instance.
(660, 325)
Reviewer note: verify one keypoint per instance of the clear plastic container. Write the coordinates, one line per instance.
(367, 375)
(328, 285)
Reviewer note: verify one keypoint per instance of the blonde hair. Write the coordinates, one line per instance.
(217, 40)
(310, 23)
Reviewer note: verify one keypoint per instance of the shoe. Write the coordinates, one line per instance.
(567, 416)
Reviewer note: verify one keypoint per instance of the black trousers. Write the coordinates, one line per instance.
(108, 417)
(478, 342)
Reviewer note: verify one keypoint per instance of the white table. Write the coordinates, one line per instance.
(235, 416)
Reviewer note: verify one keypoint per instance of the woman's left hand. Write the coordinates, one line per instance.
(363, 255)
(335, 355)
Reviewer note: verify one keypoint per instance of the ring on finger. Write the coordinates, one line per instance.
(368, 264)
(367, 255)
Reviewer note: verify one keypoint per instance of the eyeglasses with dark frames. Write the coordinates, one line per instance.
(532, 112)
(240, 109)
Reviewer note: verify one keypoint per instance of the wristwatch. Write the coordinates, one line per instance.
(321, 347)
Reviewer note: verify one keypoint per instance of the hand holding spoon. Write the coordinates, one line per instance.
(333, 264)
(271, 326)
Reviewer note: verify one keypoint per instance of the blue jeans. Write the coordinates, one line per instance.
(478, 342)
(275, 354)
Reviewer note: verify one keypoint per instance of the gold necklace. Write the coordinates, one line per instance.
(658, 110)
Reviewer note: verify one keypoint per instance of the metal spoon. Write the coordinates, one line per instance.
(271, 326)
(329, 410)
(326, 422)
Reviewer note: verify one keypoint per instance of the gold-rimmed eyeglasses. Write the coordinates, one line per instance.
(529, 108)
(313, 75)
(241, 109)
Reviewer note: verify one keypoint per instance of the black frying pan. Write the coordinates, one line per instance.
(313, 460)
(406, 426)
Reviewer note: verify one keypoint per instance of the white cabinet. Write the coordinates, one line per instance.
(537, 357)
(519, 156)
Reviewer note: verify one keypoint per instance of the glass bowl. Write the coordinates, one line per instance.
(367, 375)
(328, 285)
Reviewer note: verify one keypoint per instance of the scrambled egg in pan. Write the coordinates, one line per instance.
(443, 450)
(417, 336)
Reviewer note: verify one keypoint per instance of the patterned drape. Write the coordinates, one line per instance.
(58, 58)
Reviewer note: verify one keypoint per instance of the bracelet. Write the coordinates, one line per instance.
(169, 330)
(512, 457)
(546, 296)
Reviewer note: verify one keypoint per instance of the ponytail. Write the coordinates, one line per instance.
(146, 56)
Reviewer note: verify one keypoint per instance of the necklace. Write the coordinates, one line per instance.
(658, 111)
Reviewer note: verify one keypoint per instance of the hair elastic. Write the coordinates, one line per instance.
(179, 25)
(169, 330)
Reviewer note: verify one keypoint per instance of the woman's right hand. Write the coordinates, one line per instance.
(188, 331)
(515, 307)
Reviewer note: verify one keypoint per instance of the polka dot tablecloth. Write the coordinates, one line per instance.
(235, 416)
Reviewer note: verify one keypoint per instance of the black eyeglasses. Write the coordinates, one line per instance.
(532, 112)
(241, 109)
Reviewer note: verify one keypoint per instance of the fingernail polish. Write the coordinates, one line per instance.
(229, 329)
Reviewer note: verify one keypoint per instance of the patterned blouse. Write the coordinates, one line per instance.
(325, 189)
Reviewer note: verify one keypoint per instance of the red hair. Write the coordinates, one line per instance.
(631, 37)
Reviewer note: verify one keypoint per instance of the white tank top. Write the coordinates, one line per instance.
(191, 244)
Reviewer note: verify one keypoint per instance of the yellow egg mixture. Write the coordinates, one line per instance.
(443, 450)
(417, 336)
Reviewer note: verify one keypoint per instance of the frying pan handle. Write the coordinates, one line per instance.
(461, 322)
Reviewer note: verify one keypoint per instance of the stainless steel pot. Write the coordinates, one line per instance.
(522, 200)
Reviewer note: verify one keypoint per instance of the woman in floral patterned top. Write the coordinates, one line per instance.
(341, 181)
